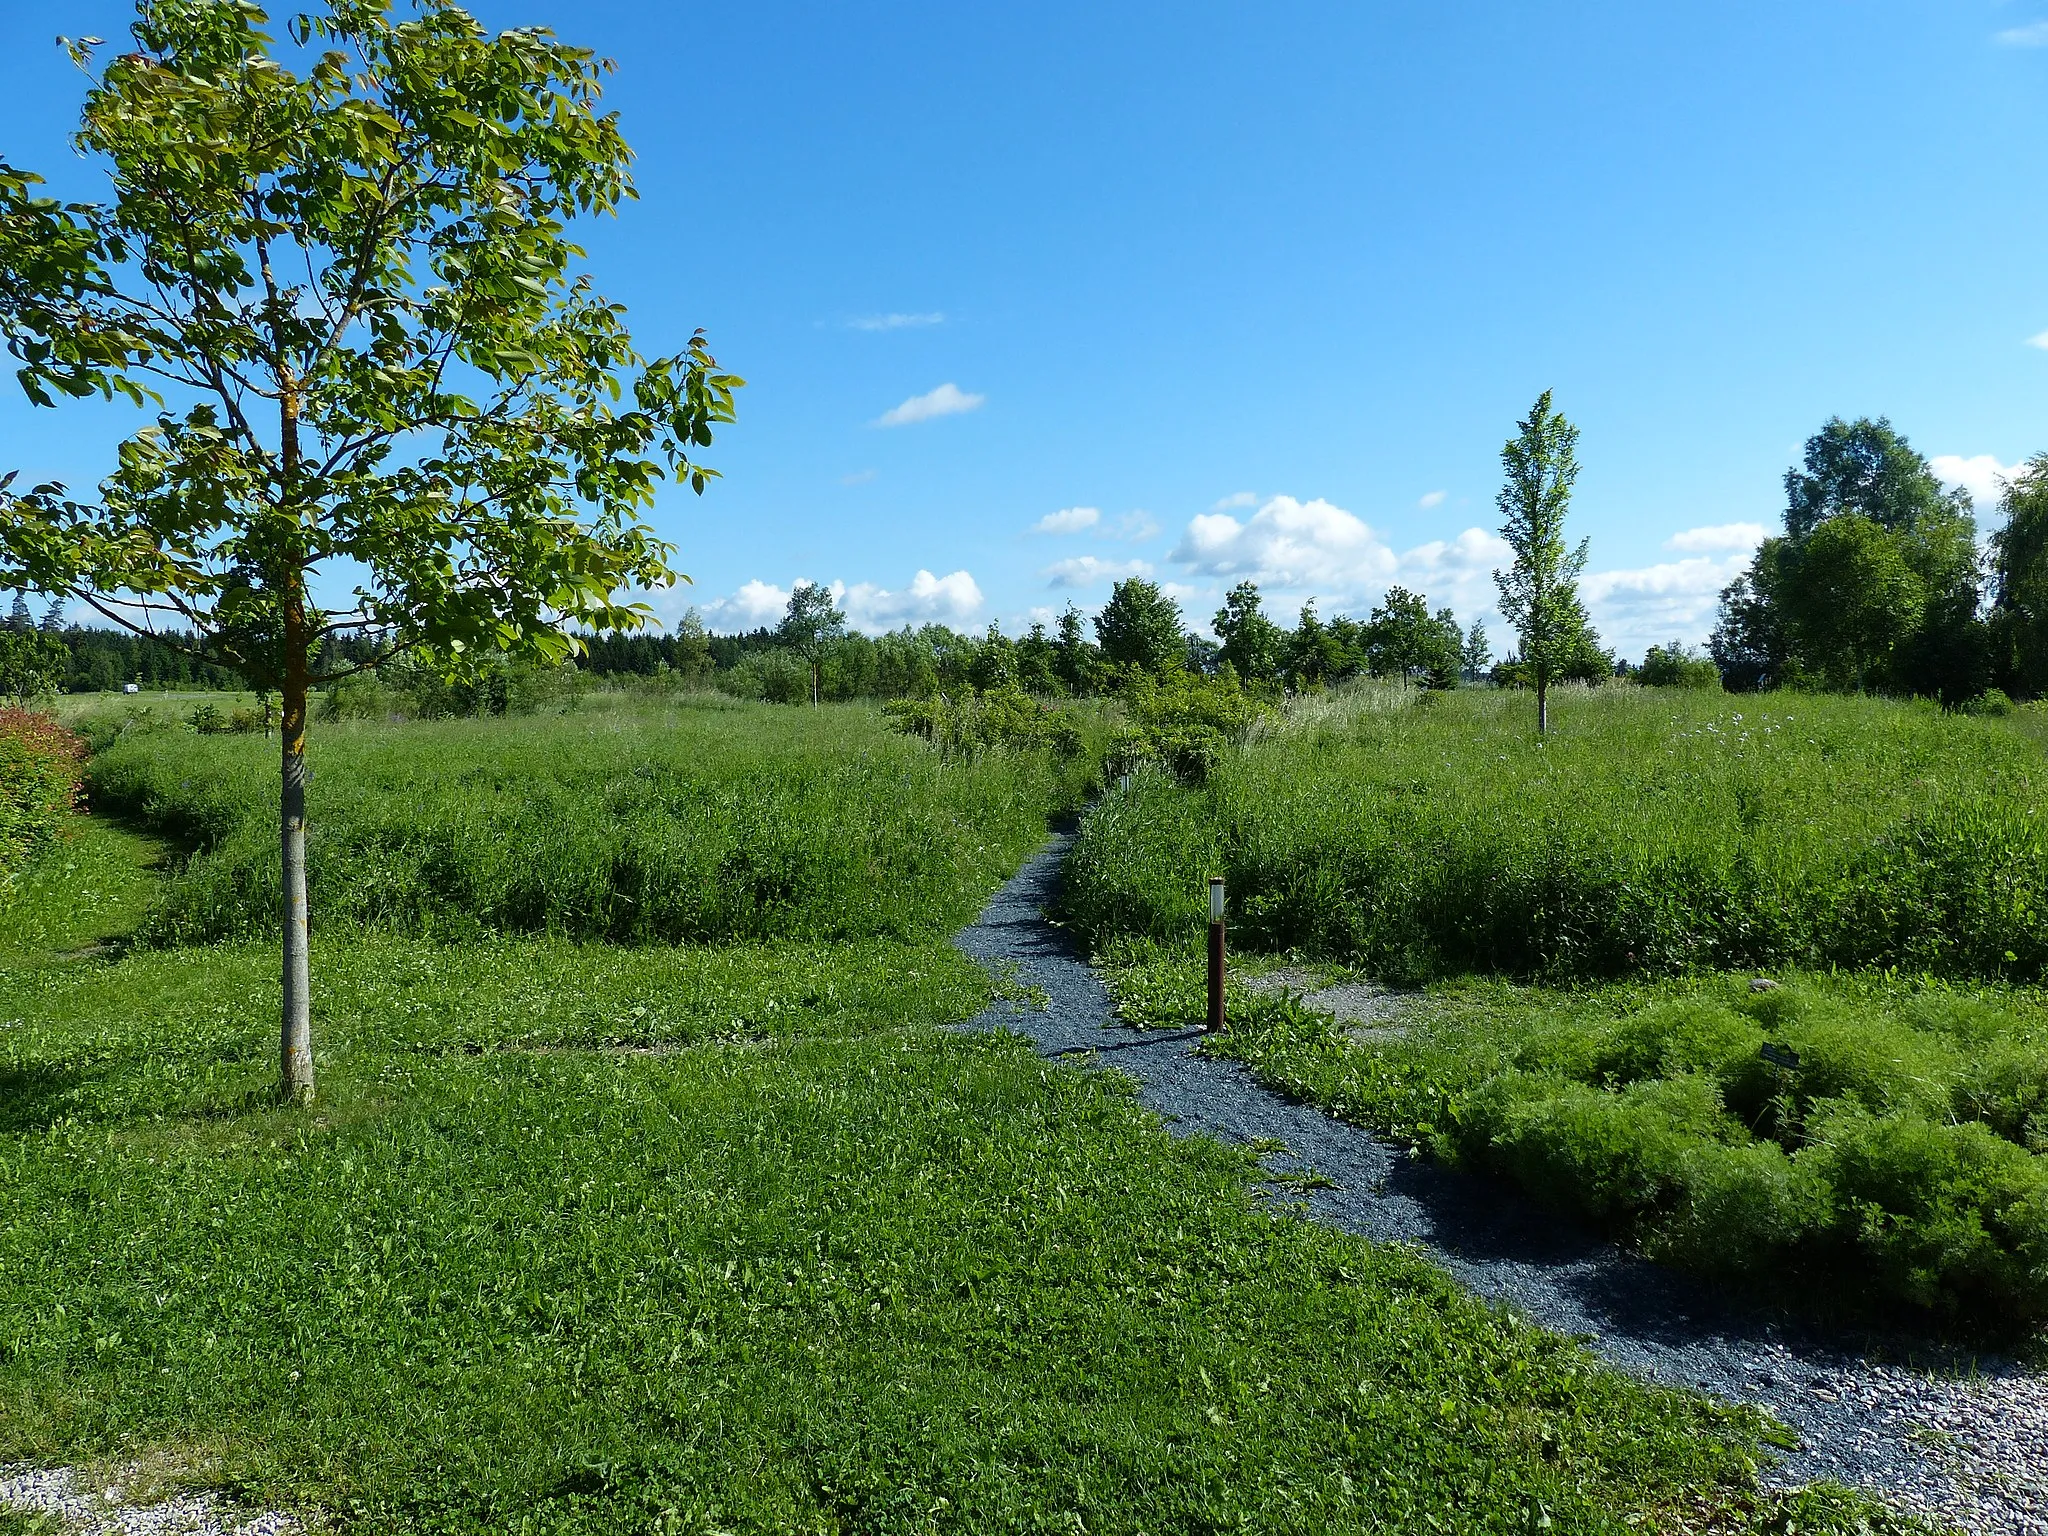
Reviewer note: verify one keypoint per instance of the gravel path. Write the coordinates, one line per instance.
(102, 1512)
(1969, 1449)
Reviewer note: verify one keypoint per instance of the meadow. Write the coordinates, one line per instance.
(1653, 832)
(695, 821)
(1865, 1137)
(711, 1236)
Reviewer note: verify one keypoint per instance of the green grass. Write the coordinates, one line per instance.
(581, 1238)
(656, 824)
(1653, 832)
(1895, 1173)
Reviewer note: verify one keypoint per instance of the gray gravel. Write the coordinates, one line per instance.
(1966, 1442)
(104, 1511)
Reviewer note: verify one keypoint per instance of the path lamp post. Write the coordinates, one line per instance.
(1215, 1022)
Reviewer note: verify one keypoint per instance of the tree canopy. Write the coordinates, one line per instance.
(1873, 586)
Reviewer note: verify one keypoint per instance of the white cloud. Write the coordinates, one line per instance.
(1087, 570)
(858, 477)
(947, 400)
(1288, 544)
(928, 599)
(2040, 341)
(1068, 520)
(1721, 537)
(1235, 500)
(1981, 475)
(1133, 527)
(1432, 499)
(2033, 35)
(1636, 609)
(895, 322)
(755, 604)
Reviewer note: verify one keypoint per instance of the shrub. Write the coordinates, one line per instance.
(1182, 723)
(39, 784)
(1002, 719)
(1948, 1217)
(1674, 666)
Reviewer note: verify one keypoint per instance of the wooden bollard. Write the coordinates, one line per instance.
(1215, 1023)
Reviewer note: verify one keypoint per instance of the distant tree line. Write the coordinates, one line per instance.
(1877, 583)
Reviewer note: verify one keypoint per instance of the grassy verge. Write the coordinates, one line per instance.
(1839, 1141)
(828, 1269)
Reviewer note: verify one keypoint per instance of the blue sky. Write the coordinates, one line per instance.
(1263, 287)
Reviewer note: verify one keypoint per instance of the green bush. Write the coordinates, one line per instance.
(1182, 723)
(1001, 719)
(636, 826)
(1897, 1165)
(1652, 832)
(39, 781)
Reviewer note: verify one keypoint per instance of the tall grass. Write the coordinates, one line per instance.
(651, 825)
(1654, 831)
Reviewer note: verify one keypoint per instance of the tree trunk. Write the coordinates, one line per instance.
(295, 1039)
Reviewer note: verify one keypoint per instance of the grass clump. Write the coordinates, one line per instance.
(637, 826)
(1650, 833)
(1897, 1169)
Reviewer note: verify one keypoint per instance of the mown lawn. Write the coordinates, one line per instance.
(733, 1239)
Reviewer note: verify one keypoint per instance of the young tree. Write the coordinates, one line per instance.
(1075, 661)
(1251, 641)
(342, 273)
(1140, 627)
(693, 649)
(810, 626)
(1539, 595)
(1037, 663)
(1400, 635)
(1313, 655)
(1475, 655)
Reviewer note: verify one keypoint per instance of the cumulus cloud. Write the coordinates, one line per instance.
(927, 599)
(895, 322)
(1068, 520)
(2033, 35)
(757, 603)
(1432, 499)
(1289, 544)
(1636, 609)
(1088, 570)
(1981, 474)
(1717, 539)
(947, 400)
(1235, 500)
